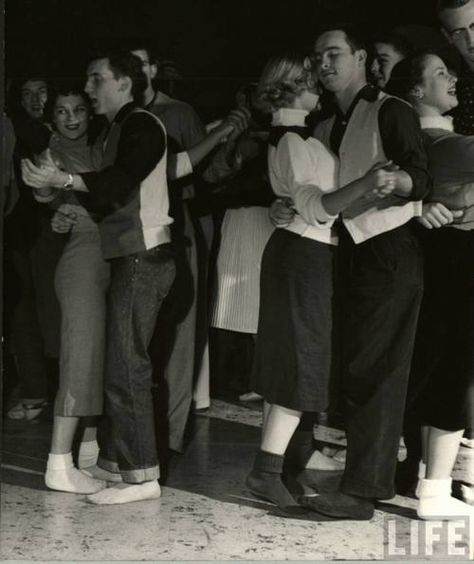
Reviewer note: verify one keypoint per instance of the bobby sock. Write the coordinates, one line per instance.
(61, 475)
(88, 454)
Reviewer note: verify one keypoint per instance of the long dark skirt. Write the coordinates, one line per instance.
(293, 349)
(445, 342)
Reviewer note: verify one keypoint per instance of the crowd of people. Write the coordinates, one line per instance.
(355, 288)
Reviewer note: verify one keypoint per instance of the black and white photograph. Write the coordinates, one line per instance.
(238, 280)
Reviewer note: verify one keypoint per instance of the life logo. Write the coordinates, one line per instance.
(406, 539)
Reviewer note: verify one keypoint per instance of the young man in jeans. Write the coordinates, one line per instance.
(129, 195)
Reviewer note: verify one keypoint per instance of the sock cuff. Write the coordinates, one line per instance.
(269, 462)
(89, 446)
(421, 470)
(60, 461)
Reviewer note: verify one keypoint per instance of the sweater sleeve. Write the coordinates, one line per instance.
(298, 169)
(402, 141)
(141, 146)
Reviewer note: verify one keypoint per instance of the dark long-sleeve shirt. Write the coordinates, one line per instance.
(140, 147)
(464, 113)
(130, 193)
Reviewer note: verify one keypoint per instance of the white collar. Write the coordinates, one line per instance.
(437, 122)
(289, 116)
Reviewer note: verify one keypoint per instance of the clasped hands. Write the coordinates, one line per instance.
(46, 175)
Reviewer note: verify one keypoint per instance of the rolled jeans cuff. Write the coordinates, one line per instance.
(136, 476)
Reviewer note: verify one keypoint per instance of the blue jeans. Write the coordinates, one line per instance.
(139, 284)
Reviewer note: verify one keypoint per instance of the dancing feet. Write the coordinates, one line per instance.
(61, 475)
(126, 493)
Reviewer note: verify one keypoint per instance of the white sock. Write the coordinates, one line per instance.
(62, 476)
(88, 454)
(126, 493)
(436, 502)
(320, 461)
(421, 470)
(100, 474)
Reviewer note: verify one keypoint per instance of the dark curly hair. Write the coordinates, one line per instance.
(408, 73)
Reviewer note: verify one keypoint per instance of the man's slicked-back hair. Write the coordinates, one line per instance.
(137, 44)
(450, 4)
(355, 36)
(397, 41)
(123, 63)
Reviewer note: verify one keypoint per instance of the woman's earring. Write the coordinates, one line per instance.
(418, 94)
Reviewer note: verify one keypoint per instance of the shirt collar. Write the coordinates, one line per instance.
(158, 99)
(124, 111)
(289, 117)
(368, 92)
(437, 122)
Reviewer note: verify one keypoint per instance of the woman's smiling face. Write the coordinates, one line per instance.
(71, 115)
(438, 85)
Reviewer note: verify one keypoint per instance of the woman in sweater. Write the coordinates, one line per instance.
(81, 282)
(444, 349)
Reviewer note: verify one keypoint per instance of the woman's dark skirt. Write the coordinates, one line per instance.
(293, 349)
(444, 351)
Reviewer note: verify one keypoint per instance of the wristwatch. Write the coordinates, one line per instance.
(69, 182)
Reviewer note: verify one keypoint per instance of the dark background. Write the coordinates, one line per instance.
(216, 44)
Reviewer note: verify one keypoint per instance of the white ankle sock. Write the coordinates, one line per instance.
(60, 461)
(421, 470)
(320, 461)
(421, 476)
(436, 502)
(62, 476)
(126, 493)
(100, 474)
(88, 454)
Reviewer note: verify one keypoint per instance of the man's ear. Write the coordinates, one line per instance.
(125, 84)
(446, 34)
(362, 57)
(153, 70)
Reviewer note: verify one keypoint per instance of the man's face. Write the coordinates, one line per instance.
(336, 65)
(149, 69)
(103, 88)
(386, 57)
(34, 94)
(458, 26)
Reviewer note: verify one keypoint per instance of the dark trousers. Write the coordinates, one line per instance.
(382, 291)
(139, 284)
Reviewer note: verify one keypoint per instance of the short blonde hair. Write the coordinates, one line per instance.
(282, 80)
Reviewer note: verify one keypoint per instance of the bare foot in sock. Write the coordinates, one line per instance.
(72, 480)
(101, 474)
(126, 493)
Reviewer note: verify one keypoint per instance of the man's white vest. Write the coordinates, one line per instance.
(360, 149)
